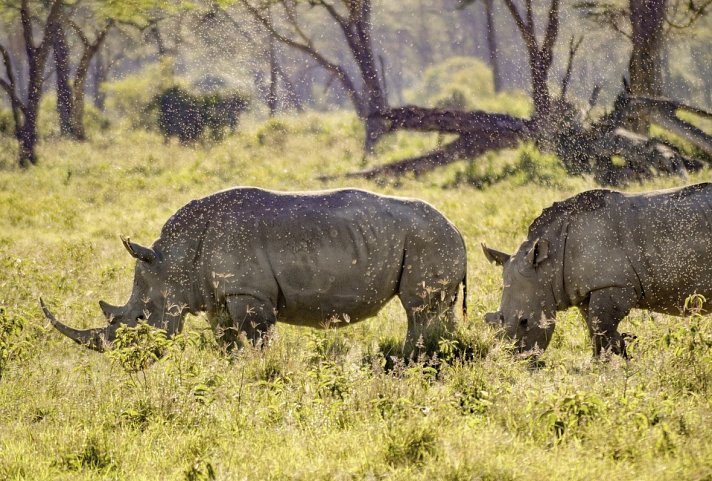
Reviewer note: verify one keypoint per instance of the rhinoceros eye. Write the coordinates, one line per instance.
(523, 321)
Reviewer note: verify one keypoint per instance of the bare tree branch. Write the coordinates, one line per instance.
(525, 28)
(693, 11)
(10, 85)
(573, 48)
(307, 48)
(552, 31)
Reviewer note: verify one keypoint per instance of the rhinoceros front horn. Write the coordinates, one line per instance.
(97, 339)
(140, 252)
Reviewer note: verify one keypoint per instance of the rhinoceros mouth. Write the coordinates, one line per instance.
(97, 339)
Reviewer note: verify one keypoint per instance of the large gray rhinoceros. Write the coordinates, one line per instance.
(249, 257)
(606, 252)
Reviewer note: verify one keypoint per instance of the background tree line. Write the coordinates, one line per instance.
(585, 80)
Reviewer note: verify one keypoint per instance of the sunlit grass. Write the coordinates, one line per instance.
(315, 404)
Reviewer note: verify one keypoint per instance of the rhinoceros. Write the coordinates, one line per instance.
(249, 257)
(606, 252)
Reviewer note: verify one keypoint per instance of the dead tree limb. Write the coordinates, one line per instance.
(454, 122)
(481, 137)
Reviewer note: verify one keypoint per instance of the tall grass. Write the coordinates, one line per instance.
(328, 404)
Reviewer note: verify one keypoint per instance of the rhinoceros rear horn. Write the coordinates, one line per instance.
(492, 255)
(96, 339)
(141, 253)
(112, 313)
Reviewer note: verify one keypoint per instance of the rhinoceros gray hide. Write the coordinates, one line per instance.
(607, 252)
(249, 257)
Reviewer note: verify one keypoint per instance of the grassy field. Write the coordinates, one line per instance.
(316, 404)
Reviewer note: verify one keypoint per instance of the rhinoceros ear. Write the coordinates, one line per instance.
(499, 258)
(141, 253)
(538, 252)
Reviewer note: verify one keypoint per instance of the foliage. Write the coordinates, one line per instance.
(530, 166)
(315, 404)
(129, 97)
(7, 123)
(10, 329)
(465, 83)
(95, 121)
(92, 455)
(136, 348)
(186, 115)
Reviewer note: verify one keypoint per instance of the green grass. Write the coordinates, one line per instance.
(315, 404)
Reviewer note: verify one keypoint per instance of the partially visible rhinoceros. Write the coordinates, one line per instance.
(249, 257)
(606, 253)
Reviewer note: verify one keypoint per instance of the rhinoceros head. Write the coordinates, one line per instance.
(151, 300)
(528, 309)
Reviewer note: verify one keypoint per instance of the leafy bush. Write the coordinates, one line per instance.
(136, 348)
(10, 329)
(131, 96)
(48, 121)
(688, 351)
(465, 83)
(186, 116)
(531, 166)
(91, 455)
(406, 444)
(7, 123)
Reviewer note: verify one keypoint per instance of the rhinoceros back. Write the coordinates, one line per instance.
(313, 255)
(671, 233)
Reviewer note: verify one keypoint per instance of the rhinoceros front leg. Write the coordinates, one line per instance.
(606, 309)
(250, 320)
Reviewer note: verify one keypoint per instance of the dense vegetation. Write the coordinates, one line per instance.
(316, 404)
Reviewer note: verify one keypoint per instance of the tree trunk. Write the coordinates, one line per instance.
(645, 66)
(492, 45)
(65, 98)
(27, 139)
(359, 39)
(98, 78)
(273, 67)
(78, 110)
(540, 90)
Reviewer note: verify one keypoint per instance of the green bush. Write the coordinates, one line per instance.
(48, 122)
(10, 329)
(528, 166)
(465, 83)
(7, 123)
(187, 116)
(130, 96)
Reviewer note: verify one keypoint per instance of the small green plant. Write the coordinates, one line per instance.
(410, 444)
(274, 132)
(200, 470)
(136, 348)
(689, 350)
(91, 455)
(567, 413)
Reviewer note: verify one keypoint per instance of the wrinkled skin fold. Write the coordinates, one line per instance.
(606, 253)
(250, 257)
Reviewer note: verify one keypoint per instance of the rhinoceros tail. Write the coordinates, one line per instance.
(464, 294)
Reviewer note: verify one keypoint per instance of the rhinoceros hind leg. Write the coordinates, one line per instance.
(429, 320)
(250, 320)
(606, 309)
